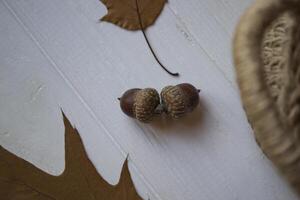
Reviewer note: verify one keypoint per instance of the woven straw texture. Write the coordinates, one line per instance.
(267, 60)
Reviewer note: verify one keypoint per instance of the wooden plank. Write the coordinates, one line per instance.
(86, 65)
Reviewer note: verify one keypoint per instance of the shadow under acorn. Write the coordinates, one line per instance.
(189, 123)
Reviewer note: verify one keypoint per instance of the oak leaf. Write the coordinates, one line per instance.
(132, 14)
(80, 181)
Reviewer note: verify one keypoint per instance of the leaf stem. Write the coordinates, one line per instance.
(148, 43)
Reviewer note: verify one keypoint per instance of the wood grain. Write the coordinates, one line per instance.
(86, 65)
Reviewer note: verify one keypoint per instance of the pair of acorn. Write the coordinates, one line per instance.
(144, 104)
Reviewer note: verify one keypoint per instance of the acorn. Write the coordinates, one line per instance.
(180, 99)
(140, 104)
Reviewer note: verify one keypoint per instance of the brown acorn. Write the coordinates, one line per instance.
(140, 104)
(180, 99)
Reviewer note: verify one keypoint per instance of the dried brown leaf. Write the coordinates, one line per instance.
(124, 13)
(80, 181)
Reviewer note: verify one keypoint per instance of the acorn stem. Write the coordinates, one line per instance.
(148, 43)
(159, 109)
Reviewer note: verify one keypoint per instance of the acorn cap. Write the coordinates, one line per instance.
(146, 102)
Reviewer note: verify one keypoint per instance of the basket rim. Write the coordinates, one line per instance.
(259, 105)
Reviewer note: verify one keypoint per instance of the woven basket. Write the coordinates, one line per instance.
(267, 60)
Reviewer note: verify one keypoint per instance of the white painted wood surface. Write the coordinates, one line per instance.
(55, 54)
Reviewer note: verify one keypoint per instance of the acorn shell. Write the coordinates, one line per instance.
(140, 104)
(180, 99)
(145, 104)
(127, 102)
(191, 95)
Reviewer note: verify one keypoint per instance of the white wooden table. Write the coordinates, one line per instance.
(56, 55)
